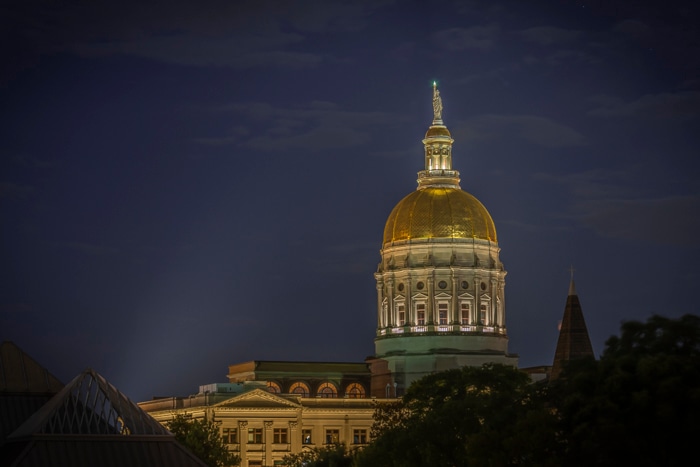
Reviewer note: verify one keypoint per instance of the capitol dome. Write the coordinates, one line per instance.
(439, 212)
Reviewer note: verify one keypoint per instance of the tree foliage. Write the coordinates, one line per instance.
(640, 403)
(486, 416)
(203, 439)
(335, 455)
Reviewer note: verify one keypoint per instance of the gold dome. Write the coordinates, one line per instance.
(439, 212)
(436, 130)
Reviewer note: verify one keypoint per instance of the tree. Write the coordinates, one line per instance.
(203, 439)
(487, 416)
(640, 403)
(335, 455)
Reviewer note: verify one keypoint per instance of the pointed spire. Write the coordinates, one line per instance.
(574, 341)
(572, 285)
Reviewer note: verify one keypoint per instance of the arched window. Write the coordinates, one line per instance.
(299, 388)
(327, 390)
(355, 391)
(273, 387)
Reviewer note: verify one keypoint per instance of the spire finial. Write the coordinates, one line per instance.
(572, 286)
(437, 104)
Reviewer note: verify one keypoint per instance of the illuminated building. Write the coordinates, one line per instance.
(440, 305)
(440, 283)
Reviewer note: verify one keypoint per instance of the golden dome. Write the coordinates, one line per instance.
(439, 212)
(436, 130)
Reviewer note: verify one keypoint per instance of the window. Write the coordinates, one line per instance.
(306, 436)
(327, 390)
(355, 391)
(442, 313)
(255, 435)
(299, 388)
(332, 436)
(359, 436)
(482, 316)
(230, 435)
(254, 463)
(420, 314)
(279, 436)
(465, 311)
(401, 314)
(273, 387)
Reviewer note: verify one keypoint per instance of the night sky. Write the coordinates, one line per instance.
(184, 187)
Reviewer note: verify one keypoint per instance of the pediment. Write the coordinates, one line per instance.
(485, 297)
(466, 296)
(443, 296)
(258, 398)
(419, 296)
(399, 298)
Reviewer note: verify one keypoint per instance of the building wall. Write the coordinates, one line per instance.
(262, 427)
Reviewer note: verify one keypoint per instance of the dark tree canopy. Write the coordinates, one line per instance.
(202, 437)
(335, 455)
(638, 405)
(489, 415)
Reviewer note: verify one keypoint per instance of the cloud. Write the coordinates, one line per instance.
(682, 105)
(10, 190)
(596, 183)
(671, 220)
(548, 35)
(631, 203)
(242, 34)
(476, 37)
(537, 130)
(237, 51)
(316, 126)
(91, 249)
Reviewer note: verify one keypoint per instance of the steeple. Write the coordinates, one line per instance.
(438, 151)
(574, 342)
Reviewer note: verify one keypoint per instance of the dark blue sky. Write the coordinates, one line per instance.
(187, 185)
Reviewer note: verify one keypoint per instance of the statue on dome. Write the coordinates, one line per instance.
(437, 103)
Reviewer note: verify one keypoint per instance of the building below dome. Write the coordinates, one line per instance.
(440, 283)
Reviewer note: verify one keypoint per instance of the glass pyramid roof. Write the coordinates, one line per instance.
(89, 405)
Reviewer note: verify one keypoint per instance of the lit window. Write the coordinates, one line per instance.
(299, 388)
(273, 387)
(306, 436)
(355, 391)
(230, 435)
(332, 436)
(482, 309)
(442, 312)
(279, 436)
(359, 436)
(465, 311)
(255, 436)
(401, 314)
(420, 314)
(327, 390)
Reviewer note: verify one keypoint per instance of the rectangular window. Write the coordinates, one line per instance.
(230, 435)
(279, 436)
(332, 436)
(254, 463)
(465, 309)
(401, 313)
(483, 309)
(255, 436)
(442, 313)
(420, 314)
(306, 436)
(359, 436)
